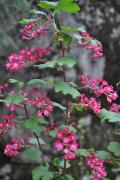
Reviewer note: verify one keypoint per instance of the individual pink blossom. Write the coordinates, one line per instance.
(97, 165)
(13, 149)
(115, 108)
(7, 123)
(34, 30)
(96, 48)
(90, 103)
(100, 87)
(66, 142)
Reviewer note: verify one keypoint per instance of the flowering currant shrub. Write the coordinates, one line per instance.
(29, 108)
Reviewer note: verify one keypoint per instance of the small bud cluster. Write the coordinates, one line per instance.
(100, 87)
(87, 41)
(13, 149)
(97, 165)
(90, 103)
(66, 142)
(33, 30)
(52, 126)
(17, 62)
(7, 123)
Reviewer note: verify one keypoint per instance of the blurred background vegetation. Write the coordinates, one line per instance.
(101, 18)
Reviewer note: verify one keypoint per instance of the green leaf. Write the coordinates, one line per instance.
(15, 98)
(53, 133)
(35, 11)
(117, 178)
(67, 39)
(68, 177)
(77, 36)
(68, 28)
(64, 5)
(68, 60)
(26, 21)
(59, 106)
(56, 162)
(110, 116)
(42, 172)
(47, 4)
(48, 64)
(32, 153)
(20, 84)
(33, 124)
(65, 88)
(68, 6)
(79, 107)
(82, 152)
(34, 141)
(33, 82)
(102, 154)
(114, 147)
(68, 165)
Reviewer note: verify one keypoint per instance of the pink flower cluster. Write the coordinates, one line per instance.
(7, 123)
(100, 87)
(14, 147)
(43, 104)
(87, 42)
(33, 30)
(115, 108)
(90, 103)
(17, 62)
(66, 142)
(97, 165)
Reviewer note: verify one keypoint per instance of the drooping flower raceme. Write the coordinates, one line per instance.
(66, 142)
(92, 44)
(90, 103)
(97, 165)
(33, 30)
(42, 103)
(13, 149)
(99, 87)
(7, 123)
(17, 62)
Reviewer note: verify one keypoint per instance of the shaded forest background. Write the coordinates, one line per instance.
(101, 18)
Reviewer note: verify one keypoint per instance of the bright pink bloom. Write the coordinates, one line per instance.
(17, 62)
(97, 165)
(33, 30)
(96, 48)
(99, 87)
(66, 142)
(90, 103)
(14, 147)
